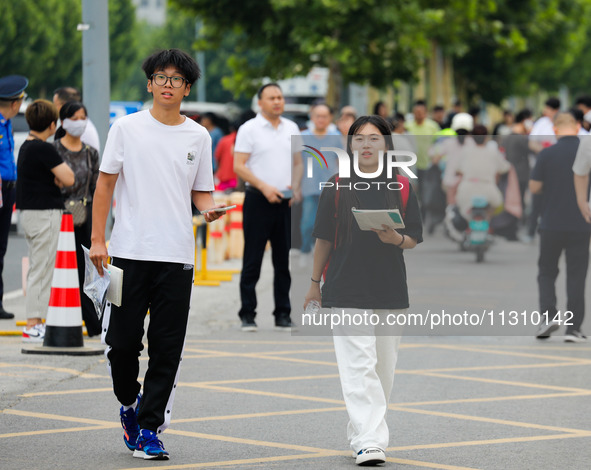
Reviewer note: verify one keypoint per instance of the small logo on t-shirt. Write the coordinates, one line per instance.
(191, 158)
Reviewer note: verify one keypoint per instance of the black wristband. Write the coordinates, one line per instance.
(400, 244)
(314, 280)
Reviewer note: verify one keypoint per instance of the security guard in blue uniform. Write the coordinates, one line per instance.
(12, 94)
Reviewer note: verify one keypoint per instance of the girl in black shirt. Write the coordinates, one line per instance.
(365, 282)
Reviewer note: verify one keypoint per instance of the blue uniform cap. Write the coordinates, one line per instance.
(13, 87)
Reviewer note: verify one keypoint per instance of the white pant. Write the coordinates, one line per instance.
(367, 362)
(42, 229)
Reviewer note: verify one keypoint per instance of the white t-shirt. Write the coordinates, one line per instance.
(158, 167)
(269, 149)
(543, 131)
(582, 163)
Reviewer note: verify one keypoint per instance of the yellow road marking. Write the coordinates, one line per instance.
(267, 394)
(232, 341)
(503, 382)
(508, 353)
(269, 355)
(241, 440)
(418, 463)
(303, 351)
(491, 399)
(74, 419)
(286, 351)
(484, 368)
(258, 415)
(483, 419)
(66, 392)
(54, 431)
(507, 440)
(265, 379)
(75, 372)
(242, 461)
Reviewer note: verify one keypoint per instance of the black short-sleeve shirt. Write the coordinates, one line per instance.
(35, 185)
(365, 273)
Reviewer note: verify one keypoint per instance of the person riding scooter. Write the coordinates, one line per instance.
(479, 167)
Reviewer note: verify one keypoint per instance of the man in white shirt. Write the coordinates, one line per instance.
(263, 159)
(543, 130)
(157, 162)
(581, 169)
(64, 94)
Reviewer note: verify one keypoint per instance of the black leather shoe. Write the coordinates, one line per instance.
(4, 315)
(283, 323)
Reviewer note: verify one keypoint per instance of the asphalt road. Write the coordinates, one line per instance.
(273, 400)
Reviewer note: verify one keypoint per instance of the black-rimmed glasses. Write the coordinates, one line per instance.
(160, 79)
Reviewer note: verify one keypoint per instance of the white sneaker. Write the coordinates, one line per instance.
(575, 337)
(35, 334)
(370, 456)
(546, 329)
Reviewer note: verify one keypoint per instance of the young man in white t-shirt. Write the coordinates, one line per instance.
(157, 162)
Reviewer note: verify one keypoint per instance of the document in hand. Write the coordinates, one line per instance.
(100, 289)
(115, 288)
(369, 219)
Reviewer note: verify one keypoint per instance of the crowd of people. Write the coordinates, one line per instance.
(171, 164)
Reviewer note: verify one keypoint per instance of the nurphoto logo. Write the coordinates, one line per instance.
(345, 166)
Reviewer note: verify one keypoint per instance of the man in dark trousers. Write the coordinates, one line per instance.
(562, 228)
(157, 162)
(263, 159)
(12, 93)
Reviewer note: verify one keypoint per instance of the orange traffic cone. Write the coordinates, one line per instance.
(63, 327)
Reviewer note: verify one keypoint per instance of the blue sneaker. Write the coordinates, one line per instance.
(131, 429)
(150, 447)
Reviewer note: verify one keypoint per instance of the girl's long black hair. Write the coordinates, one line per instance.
(347, 198)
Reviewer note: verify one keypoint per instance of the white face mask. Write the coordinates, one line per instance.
(528, 124)
(74, 128)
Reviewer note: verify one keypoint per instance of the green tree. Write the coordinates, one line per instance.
(358, 41)
(39, 40)
(500, 46)
(531, 45)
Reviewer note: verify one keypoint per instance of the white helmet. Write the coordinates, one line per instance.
(462, 121)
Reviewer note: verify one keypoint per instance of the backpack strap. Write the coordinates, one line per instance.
(404, 192)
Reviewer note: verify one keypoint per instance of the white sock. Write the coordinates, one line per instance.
(125, 408)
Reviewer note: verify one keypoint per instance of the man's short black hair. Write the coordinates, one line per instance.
(553, 103)
(438, 107)
(420, 103)
(182, 61)
(523, 115)
(577, 114)
(585, 100)
(67, 93)
(267, 85)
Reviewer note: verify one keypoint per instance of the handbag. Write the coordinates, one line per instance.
(77, 205)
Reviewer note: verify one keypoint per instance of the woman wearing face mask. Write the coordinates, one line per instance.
(84, 161)
(366, 277)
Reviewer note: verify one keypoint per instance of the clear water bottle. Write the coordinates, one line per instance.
(312, 308)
